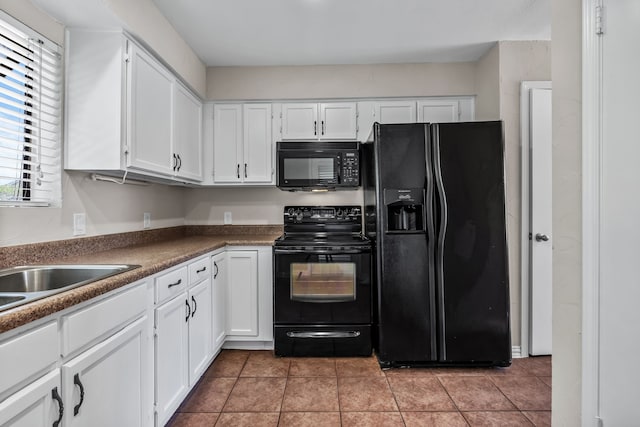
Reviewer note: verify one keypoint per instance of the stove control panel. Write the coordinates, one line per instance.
(322, 214)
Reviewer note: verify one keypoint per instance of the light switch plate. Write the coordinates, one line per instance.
(228, 219)
(79, 224)
(146, 223)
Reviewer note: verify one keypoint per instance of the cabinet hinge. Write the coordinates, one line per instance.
(155, 332)
(126, 150)
(599, 20)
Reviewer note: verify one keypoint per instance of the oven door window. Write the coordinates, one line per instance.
(323, 282)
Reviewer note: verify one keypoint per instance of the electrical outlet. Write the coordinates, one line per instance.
(228, 218)
(79, 224)
(146, 220)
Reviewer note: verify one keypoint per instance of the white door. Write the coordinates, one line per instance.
(258, 145)
(36, 405)
(219, 300)
(199, 329)
(187, 134)
(106, 385)
(438, 111)
(172, 352)
(300, 121)
(227, 142)
(150, 93)
(541, 220)
(339, 120)
(242, 293)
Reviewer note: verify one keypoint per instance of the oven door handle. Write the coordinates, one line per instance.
(322, 251)
(323, 334)
(349, 298)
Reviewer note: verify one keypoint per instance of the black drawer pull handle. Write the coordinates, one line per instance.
(56, 396)
(201, 270)
(186, 319)
(76, 381)
(171, 285)
(195, 306)
(215, 271)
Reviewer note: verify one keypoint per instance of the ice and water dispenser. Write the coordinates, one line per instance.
(405, 210)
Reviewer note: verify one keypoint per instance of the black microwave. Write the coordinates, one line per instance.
(318, 165)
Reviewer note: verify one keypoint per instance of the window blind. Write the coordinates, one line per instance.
(30, 116)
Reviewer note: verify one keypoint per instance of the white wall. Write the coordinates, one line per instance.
(110, 208)
(487, 75)
(566, 60)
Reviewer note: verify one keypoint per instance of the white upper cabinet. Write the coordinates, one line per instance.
(389, 112)
(227, 143)
(242, 144)
(257, 145)
(438, 111)
(126, 111)
(150, 94)
(187, 134)
(327, 121)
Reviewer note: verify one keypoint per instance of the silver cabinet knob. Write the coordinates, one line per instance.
(541, 237)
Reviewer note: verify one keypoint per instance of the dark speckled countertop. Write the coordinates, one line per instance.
(152, 254)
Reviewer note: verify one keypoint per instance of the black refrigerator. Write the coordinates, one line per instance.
(434, 198)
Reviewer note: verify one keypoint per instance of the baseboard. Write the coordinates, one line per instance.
(248, 345)
(516, 352)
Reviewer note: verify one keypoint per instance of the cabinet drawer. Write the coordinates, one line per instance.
(28, 354)
(171, 284)
(83, 326)
(199, 270)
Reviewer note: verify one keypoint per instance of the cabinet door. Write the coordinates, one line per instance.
(242, 293)
(200, 325)
(227, 143)
(171, 348)
(258, 145)
(36, 405)
(389, 112)
(438, 111)
(106, 385)
(219, 300)
(187, 134)
(338, 120)
(150, 92)
(300, 121)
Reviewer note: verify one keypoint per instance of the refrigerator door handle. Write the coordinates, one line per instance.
(441, 235)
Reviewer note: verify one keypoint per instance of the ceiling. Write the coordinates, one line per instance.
(314, 32)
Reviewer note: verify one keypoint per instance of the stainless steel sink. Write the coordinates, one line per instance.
(20, 285)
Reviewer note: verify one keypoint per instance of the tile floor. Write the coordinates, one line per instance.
(254, 388)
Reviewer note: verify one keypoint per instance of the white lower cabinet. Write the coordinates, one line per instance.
(249, 297)
(171, 349)
(219, 300)
(200, 326)
(107, 384)
(242, 293)
(183, 348)
(37, 405)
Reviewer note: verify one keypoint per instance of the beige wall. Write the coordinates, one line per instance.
(143, 19)
(567, 207)
(487, 84)
(255, 205)
(110, 208)
(519, 60)
(340, 81)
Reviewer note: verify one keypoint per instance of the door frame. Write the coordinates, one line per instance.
(591, 176)
(525, 260)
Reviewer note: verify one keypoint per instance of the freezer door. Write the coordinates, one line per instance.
(472, 285)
